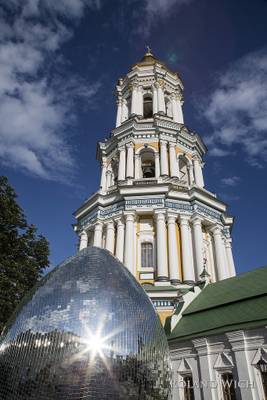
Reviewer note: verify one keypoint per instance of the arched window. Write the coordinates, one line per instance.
(183, 168)
(148, 106)
(148, 163)
(147, 255)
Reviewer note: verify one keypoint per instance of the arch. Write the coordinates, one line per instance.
(147, 105)
(147, 156)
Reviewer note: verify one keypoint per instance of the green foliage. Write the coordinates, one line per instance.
(23, 253)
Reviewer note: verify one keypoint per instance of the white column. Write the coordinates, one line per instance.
(161, 100)
(83, 240)
(179, 110)
(109, 178)
(155, 99)
(198, 172)
(98, 234)
(110, 238)
(119, 112)
(229, 255)
(121, 173)
(130, 160)
(219, 253)
(191, 174)
(120, 239)
(188, 270)
(103, 175)
(198, 245)
(173, 250)
(140, 102)
(129, 240)
(157, 165)
(164, 158)
(136, 166)
(173, 161)
(162, 260)
(174, 107)
(125, 111)
(178, 167)
(134, 103)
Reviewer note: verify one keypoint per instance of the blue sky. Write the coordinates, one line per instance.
(59, 63)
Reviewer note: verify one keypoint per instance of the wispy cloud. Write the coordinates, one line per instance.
(155, 10)
(231, 181)
(35, 110)
(237, 109)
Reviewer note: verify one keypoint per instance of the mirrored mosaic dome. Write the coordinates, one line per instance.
(87, 331)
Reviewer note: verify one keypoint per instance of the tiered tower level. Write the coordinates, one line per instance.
(152, 210)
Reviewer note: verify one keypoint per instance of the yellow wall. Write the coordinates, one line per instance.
(163, 315)
(179, 150)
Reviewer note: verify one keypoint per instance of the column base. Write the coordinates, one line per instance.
(175, 281)
(189, 282)
(162, 279)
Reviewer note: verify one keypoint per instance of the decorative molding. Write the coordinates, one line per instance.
(188, 208)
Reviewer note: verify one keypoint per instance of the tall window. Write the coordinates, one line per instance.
(188, 388)
(148, 107)
(148, 163)
(228, 387)
(147, 255)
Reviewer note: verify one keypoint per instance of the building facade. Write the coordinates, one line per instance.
(218, 340)
(152, 210)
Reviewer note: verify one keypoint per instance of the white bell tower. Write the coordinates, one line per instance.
(152, 210)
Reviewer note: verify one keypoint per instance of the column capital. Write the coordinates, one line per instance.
(216, 230)
(172, 144)
(159, 214)
(129, 215)
(99, 224)
(133, 85)
(121, 148)
(129, 145)
(184, 219)
(160, 83)
(163, 142)
(196, 220)
(171, 217)
(83, 233)
(109, 224)
(119, 220)
(173, 96)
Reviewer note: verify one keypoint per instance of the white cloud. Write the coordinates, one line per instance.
(237, 109)
(33, 111)
(230, 181)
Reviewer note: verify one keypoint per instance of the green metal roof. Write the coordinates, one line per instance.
(234, 303)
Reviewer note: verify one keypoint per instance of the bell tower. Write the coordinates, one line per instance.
(152, 210)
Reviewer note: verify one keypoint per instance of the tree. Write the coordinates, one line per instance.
(23, 253)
